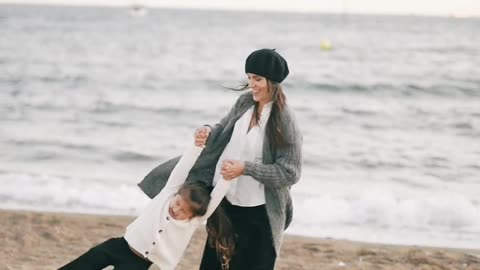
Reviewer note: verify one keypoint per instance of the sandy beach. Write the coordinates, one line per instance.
(40, 240)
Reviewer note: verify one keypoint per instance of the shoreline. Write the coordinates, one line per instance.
(47, 240)
(358, 13)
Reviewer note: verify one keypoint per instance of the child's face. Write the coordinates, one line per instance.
(179, 208)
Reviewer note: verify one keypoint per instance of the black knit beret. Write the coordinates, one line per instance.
(267, 63)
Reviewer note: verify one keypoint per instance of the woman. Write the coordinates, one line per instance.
(259, 143)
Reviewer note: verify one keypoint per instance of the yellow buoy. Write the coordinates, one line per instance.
(326, 45)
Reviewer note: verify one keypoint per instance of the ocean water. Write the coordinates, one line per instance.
(91, 99)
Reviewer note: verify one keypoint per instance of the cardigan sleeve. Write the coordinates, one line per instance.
(285, 171)
(286, 168)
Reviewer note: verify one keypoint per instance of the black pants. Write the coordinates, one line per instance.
(254, 246)
(114, 251)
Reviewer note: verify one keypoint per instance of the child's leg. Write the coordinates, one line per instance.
(130, 260)
(139, 265)
(97, 257)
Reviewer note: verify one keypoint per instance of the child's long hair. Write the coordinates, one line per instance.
(219, 226)
(220, 235)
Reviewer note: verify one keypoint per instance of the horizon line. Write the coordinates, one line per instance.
(245, 9)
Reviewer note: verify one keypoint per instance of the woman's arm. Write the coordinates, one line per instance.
(287, 161)
(285, 171)
(287, 164)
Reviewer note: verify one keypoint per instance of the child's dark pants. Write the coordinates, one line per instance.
(114, 251)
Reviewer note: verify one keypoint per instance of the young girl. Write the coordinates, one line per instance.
(162, 232)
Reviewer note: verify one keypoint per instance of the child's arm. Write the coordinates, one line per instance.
(183, 167)
(217, 194)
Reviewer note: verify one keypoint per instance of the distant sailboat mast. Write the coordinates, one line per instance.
(137, 9)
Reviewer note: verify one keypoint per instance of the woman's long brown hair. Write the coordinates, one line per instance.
(279, 101)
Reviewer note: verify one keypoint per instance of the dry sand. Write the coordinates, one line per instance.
(39, 240)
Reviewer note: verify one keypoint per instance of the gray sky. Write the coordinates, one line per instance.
(419, 7)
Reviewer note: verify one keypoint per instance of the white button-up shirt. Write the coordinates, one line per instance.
(245, 145)
(155, 234)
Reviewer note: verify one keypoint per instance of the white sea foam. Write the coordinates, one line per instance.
(42, 192)
(376, 215)
(449, 220)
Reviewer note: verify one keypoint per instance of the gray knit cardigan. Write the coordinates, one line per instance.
(279, 170)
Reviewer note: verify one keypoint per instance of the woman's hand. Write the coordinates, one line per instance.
(201, 135)
(232, 169)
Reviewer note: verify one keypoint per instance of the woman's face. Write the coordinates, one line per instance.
(259, 87)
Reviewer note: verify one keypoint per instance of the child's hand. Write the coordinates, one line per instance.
(201, 135)
(232, 169)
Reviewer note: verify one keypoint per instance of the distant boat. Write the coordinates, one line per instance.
(138, 10)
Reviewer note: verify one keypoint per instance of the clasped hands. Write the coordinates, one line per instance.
(230, 168)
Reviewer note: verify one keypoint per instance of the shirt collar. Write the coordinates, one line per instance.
(267, 108)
